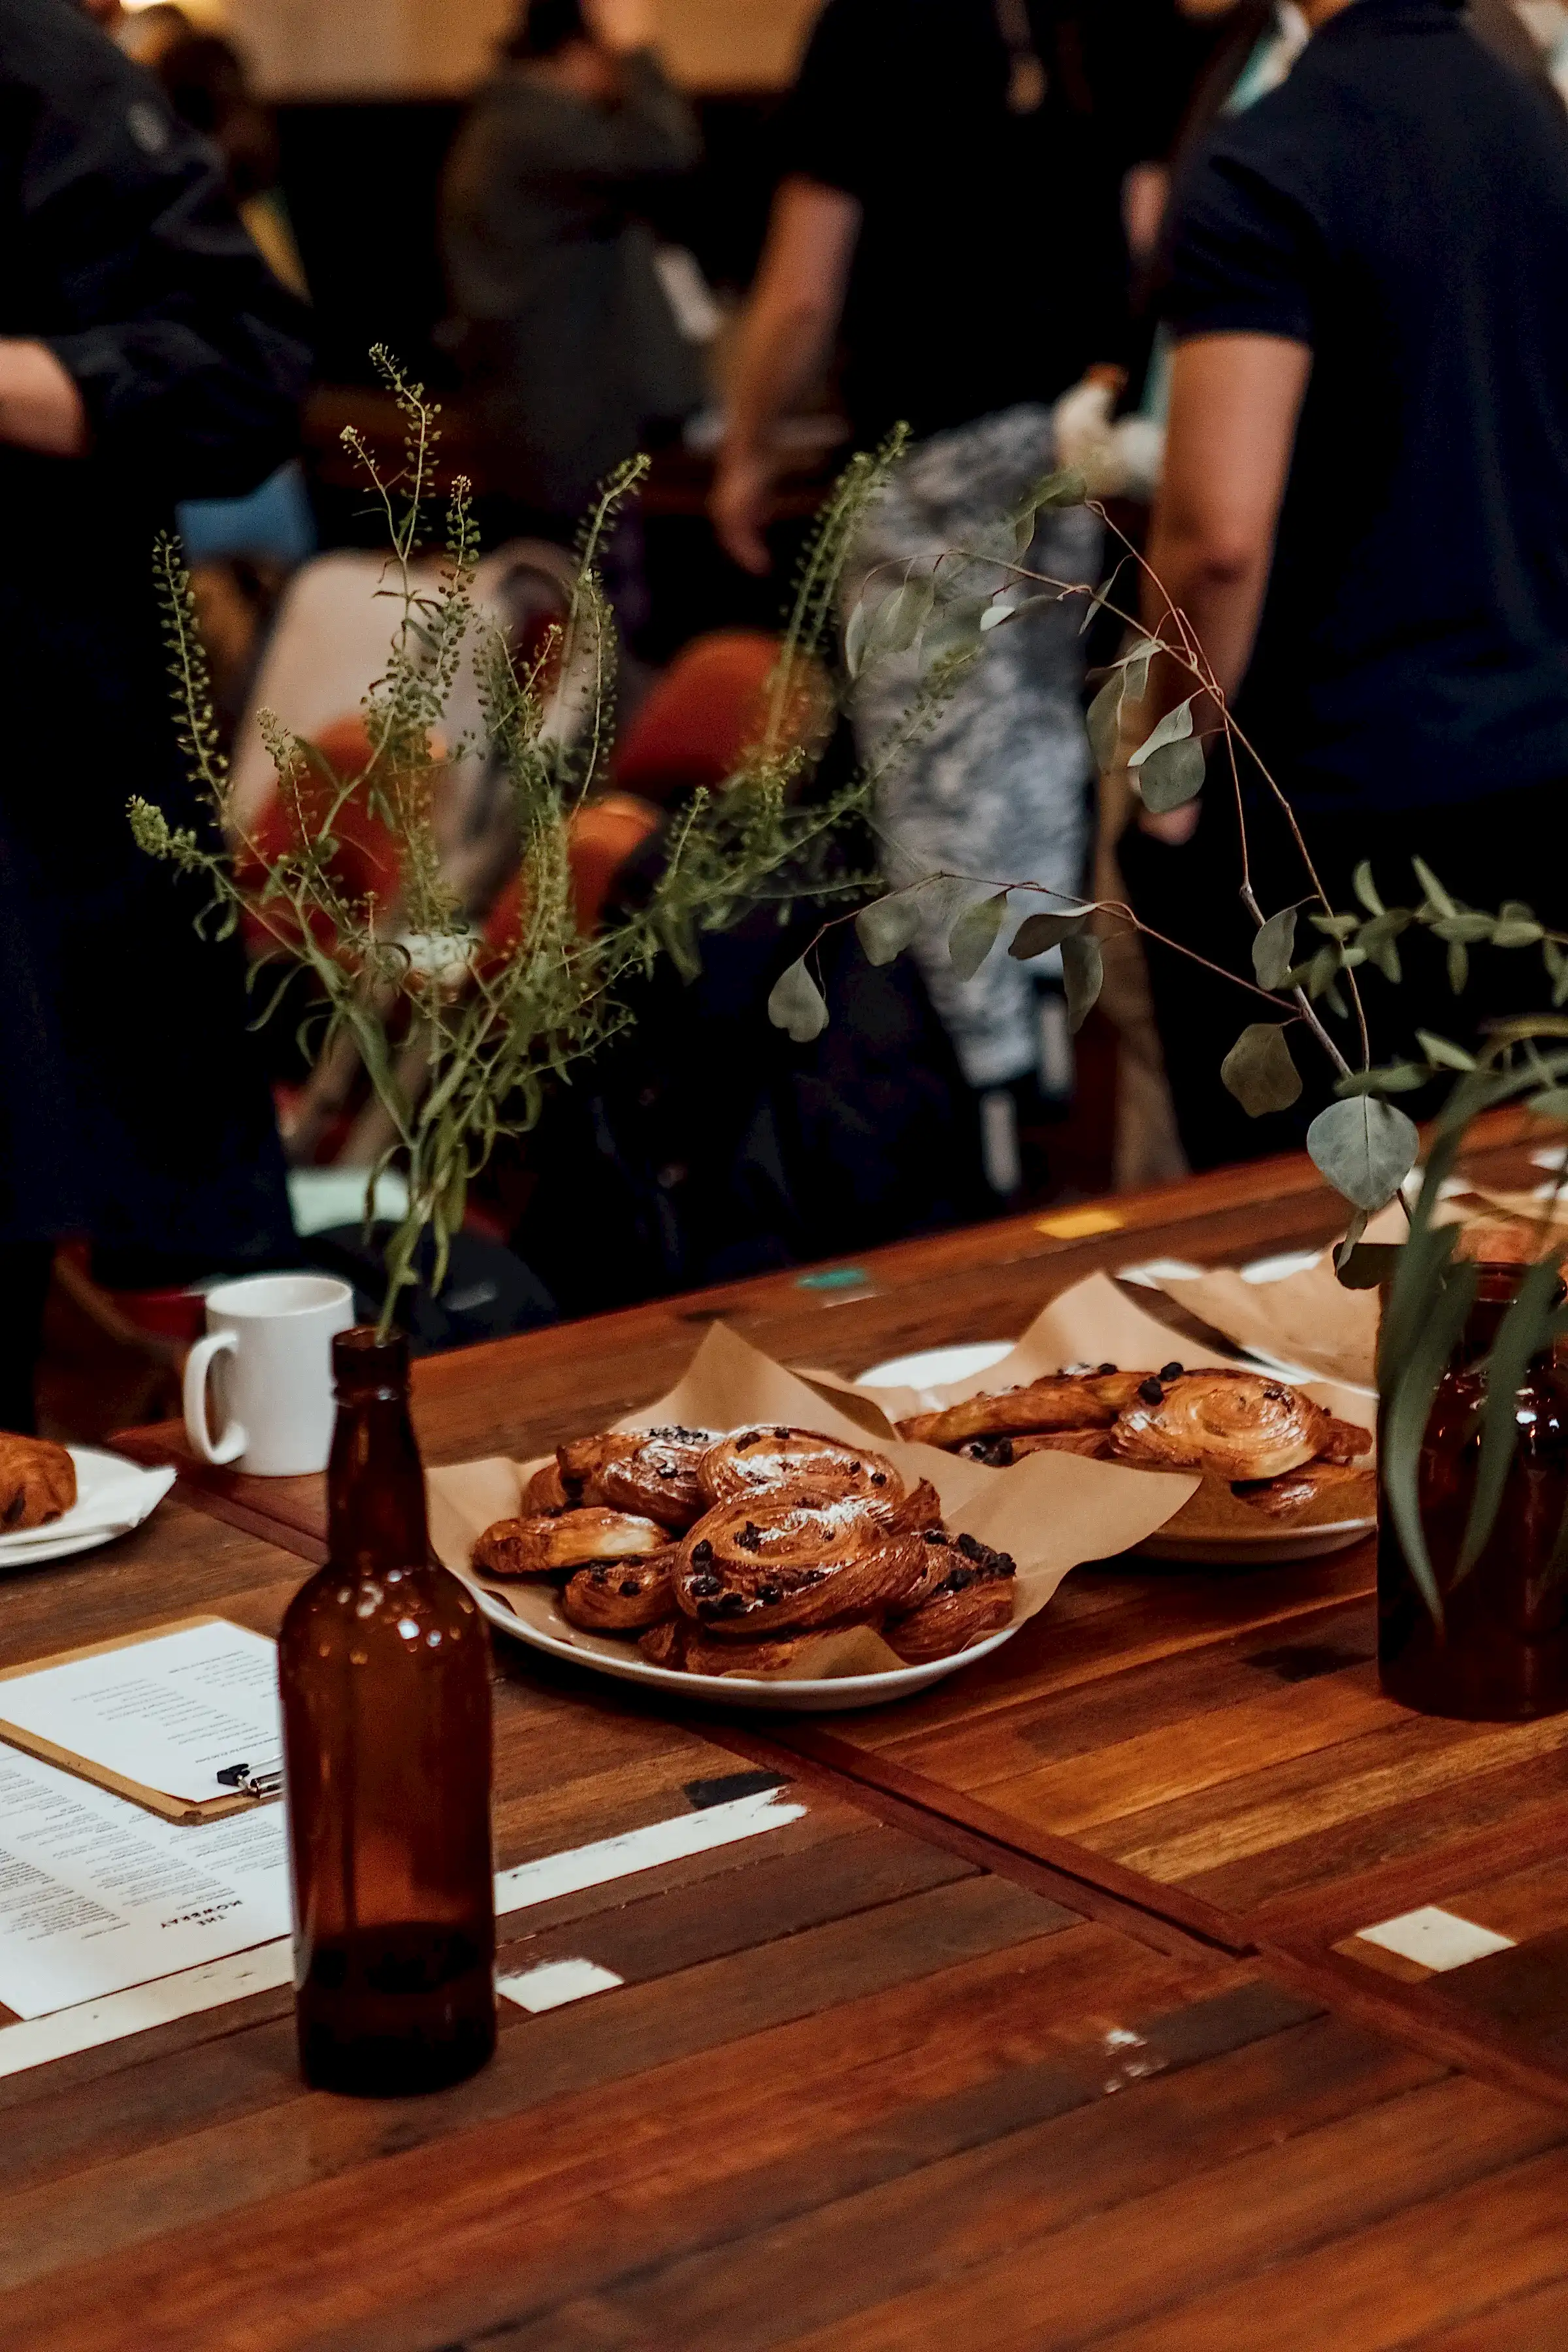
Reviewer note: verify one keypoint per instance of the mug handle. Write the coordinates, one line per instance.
(233, 1442)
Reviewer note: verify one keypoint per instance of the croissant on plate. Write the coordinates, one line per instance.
(38, 1481)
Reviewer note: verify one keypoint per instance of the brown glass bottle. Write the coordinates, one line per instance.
(384, 1669)
(1501, 1654)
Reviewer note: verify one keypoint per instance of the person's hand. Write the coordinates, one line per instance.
(40, 407)
(620, 25)
(740, 506)
(1174, 827)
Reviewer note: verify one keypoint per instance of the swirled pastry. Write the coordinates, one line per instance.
(1235, 1425)
(703, 1654)
(1000, 1453)
(665, 1644)
(1296, 1494)
(659, 1479)
(38, 1481)
(1344, 1443)
(546, 1491)
(749, 1461)
(754, 1566)
(546, 1546)
(973, 1597)
(622, 1596)
(1063, 1400)
(583, 1460)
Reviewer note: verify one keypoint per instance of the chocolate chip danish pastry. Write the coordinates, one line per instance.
(754, 1566)
(1061, 1400)
(1229, 1425)
(751, 1460)
(622, 1596)
(659, 1479)
(974, 1596)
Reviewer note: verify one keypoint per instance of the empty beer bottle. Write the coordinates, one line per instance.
(384, 1669)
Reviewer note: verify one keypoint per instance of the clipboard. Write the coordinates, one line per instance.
(187, 1810)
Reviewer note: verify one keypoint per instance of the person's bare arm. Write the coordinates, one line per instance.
(785, 341)
(40, 407)
(1236, 401)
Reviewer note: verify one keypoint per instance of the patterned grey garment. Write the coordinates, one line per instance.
(999, 785)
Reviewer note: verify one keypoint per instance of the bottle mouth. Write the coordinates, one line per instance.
(363, 1361)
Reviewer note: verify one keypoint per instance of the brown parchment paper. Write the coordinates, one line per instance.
(1051, 1511)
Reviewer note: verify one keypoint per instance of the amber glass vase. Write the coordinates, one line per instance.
(383, 1668)
(1501, 1654)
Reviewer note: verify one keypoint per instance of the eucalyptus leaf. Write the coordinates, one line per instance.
(855, 636)
(1393, 1079)
(1556, 964)
(887, 926)
(1065, 488)
(1433, 887)
(797, 1005)
(1175, 727)
(1172, 776)
(1364, 1148)
(1259, 1070)
(1037, 934)
(1444, 1052)
(1458, 966)
(1365, 888)
(1468, 927)
(952, 630)
(1136, 664)
(1518, 932)
(1104, 720)
(903, 615)
(1336, 926)
(1325, 966)
(1550, 1103)
(1083, 976)
(975, 933)
(1272, 948)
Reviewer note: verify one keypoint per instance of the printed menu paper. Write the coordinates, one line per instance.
(97, 1894)
(169, 1713)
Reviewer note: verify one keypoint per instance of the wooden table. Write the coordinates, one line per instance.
(1044, 2023)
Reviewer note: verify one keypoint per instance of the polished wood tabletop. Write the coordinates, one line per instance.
(1040, 2013)
(855, 2081)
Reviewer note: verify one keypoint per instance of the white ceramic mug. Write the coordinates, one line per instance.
(270, 1339)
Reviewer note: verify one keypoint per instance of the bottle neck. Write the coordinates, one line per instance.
(375, 1481)
(1497, 1289)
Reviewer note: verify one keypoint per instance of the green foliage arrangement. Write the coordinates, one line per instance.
(1304, 962)
(493, 1028)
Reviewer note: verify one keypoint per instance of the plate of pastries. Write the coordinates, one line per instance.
(1282, 1476)
(56, 1500)
(759, 1565)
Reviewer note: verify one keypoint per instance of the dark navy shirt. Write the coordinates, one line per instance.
(990, 268)
(1401, 205)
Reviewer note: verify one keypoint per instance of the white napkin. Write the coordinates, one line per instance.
(113, 1496)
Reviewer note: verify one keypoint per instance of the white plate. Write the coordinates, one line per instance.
(934, 1367)
(113, 1496)
(1261, 1551)
(834, 1696)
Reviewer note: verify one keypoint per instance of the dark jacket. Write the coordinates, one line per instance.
(131, 1103)
(569, 342)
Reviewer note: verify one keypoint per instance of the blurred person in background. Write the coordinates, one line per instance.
(951, 205)
(146, 354)
(566, 338)
(1377, 572)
